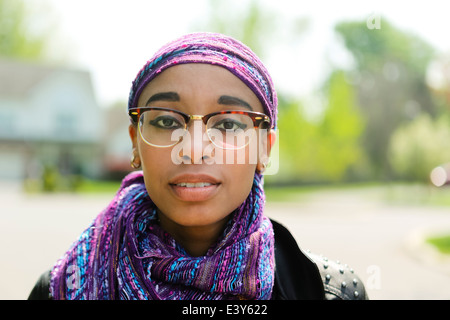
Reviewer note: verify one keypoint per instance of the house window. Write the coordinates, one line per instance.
(65, 125)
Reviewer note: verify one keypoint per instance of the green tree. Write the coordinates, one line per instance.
(327, 150)
(419, 146)
(298, 139)
(439, 80)
(390, 69)
(17, 39)
(252, 23)
(340, 131)
(247, 22)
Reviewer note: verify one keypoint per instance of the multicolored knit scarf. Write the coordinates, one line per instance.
(124, 254)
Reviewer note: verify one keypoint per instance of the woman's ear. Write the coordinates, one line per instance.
(266, 143)
(132, 130)
(135, 158)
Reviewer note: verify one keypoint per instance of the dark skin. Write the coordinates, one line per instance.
(195, 218)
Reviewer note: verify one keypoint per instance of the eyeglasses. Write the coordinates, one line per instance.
(163, 127)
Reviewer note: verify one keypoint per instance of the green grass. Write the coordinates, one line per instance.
(389, 193)
(417, 194)
(302, 192)
(281, 194)
(97, 186)
(442, 243)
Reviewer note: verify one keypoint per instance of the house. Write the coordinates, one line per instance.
(117, 146)
(49, 118)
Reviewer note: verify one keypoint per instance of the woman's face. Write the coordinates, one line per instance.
(195, 89)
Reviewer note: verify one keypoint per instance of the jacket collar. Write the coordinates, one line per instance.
(296, 275)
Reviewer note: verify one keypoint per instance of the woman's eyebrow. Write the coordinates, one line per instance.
(164, 96)
(233, 101)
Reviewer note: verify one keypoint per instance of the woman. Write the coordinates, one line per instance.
(190, 225)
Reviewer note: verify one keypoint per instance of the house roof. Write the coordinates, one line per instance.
(17, 78)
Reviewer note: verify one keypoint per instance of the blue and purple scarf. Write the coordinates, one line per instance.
(124, 254)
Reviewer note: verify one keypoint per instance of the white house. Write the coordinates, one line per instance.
(49, 116)
(117, 146)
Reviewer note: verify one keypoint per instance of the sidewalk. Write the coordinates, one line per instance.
(424, 252)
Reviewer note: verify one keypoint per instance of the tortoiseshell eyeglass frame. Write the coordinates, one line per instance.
(257, 117)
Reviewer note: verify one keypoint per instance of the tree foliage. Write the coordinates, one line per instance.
(418, 147)
(386, 89)
(391, 83)
(17, 38)
(251, 23)
(341, 128)
(327, 150)
(373, 48)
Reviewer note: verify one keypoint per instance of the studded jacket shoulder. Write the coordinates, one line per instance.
(306, 276)
(339, 280)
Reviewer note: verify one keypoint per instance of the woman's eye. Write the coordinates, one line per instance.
(229, 124)
(165, 123)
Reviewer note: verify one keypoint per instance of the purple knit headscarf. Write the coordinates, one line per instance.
(215, 49)
(125, 254)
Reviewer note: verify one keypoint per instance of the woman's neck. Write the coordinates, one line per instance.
(196, 240)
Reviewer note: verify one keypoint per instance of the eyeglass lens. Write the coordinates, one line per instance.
(165, 128)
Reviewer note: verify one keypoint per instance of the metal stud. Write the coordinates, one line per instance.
(341, 270)
(356, 294)
(355, 281)
(328, 277)
(344, 284)
(325, 265)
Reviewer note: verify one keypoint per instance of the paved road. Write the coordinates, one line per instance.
(371, 237)
(378, 241)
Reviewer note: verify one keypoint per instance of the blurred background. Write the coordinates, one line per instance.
(364, 126)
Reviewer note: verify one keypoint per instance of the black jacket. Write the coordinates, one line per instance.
(298, 275)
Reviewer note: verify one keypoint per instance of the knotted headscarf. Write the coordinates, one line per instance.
(215, 49)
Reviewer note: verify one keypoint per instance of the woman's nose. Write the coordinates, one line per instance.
(195, 143)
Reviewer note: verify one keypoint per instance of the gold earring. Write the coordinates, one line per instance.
(133, 164)
(264, 165)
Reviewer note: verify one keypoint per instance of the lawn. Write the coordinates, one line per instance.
(390, 193)
(442, 243)
(98, 186)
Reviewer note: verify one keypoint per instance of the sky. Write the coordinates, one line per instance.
(114, 39)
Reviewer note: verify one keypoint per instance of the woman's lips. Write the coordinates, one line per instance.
(194, 187)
